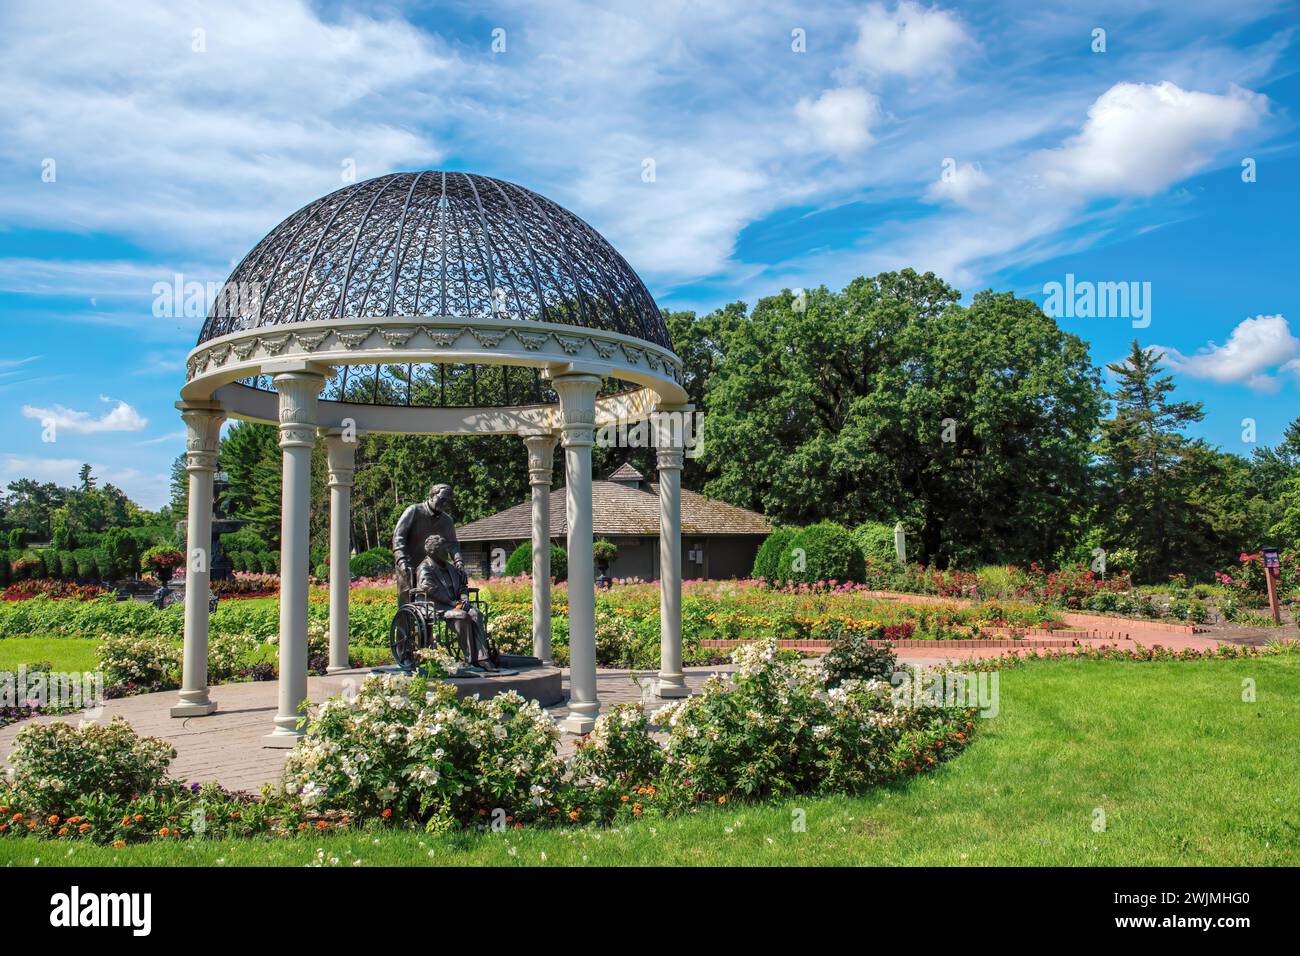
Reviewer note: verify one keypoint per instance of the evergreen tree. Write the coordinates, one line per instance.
(1152, 471)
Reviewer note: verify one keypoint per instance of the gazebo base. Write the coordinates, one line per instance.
(532, 681)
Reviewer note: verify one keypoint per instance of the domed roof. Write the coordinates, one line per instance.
(436, 244)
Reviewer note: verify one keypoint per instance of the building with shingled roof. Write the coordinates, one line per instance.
(718, 540)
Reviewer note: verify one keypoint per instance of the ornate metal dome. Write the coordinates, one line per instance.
(443, 245)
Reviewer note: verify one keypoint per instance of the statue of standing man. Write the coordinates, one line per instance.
(413, 528)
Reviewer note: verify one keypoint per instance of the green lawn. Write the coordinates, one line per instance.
(67, 654)
(1186, 772)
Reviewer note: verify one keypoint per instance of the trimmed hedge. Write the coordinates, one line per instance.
(521, 561)
(372, 564)
(827, 552)
(876, 539)
(767, 562)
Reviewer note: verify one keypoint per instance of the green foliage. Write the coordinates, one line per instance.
(822, 552)
(837, 411)
(876, 539)
(852, 656)
(775, 547)
(521, 561)
(603, 552)
(56, 764)
(374, 563)
(16, 538)
(121, 552)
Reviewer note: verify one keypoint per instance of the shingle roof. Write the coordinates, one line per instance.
(620, 510)
(625, 472)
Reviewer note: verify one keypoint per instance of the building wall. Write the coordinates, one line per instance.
(712, 558)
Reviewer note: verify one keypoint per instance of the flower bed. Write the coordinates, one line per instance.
(52, 589)
(408, 751)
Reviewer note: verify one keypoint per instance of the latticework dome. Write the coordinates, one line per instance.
(437, 244)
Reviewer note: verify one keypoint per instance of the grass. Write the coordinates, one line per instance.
(1184, 770)
(67, 654)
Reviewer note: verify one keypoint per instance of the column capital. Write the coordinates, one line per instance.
(298, 390)
(577, 391)
(202, 434)
(340, 454)
(541, 456)
(669, 458)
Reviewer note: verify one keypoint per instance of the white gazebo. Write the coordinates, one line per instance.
(432, 303)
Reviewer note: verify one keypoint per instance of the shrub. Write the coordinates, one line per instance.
(852, 656)
(778, 731)
(511, 629)
(6, 571)
(413, 748)
(767, 562)
(17, 536)
(56, 764)
(25, 568)
(87, 566)
(876, 539)
(618, 757)
(374, 563)
(142, 661)
(827, 552)
(521, 561)
(122, 551)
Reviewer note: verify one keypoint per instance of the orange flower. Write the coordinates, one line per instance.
(573, 814)
(53, 819)
(138, 817)
(322, 825)
(388, 813)
(63, 831)
(3, 827)
(119, 843)
(624, 798)
(164, 832)
(234, 814)
(83, 828)
(302, 826)
(16, 817)
(722, 799)
(74, 819)
(636, 809)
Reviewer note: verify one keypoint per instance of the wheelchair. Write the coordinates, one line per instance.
(418, 623)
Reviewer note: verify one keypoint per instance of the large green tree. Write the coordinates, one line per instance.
(1161, 491)
(890, 400)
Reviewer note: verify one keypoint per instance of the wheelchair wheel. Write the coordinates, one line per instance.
(406, 635)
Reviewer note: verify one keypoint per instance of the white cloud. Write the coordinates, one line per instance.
(1255, 348)
(120, 418)
(1140, 138)
(910, 41)
(216, 145)
(148, 489)
(966, 185)
(840, 120)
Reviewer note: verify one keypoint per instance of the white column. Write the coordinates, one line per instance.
(669, 436)
(298, 391)
(577, 393)
(202, 441)
(541, 456)
(341, 460)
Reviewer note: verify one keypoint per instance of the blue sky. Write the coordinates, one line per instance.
(988, 142)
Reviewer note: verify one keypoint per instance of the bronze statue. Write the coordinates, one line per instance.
(413, 528)
(446, 587)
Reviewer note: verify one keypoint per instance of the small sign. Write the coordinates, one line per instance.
(1271, 559)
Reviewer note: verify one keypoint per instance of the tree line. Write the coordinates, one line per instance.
(985, 428)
